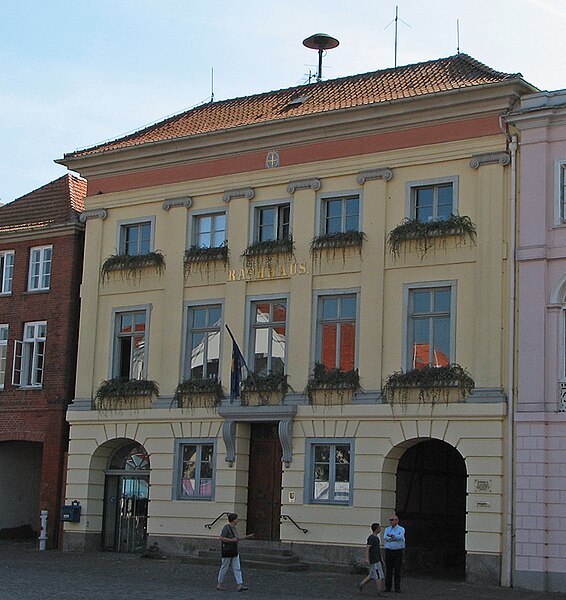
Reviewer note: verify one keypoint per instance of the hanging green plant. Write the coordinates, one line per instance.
(267, 253)
(411, 234)
(330, 243)
(202, 257)
(330, 381)
(199, 392)
(131, 266)
(433, 384)
(267, 387)
(121, 392)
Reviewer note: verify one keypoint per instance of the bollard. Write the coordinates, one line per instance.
(43, 530)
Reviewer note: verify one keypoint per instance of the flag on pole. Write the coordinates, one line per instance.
(238, 363)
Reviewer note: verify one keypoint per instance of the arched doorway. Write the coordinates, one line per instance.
(126, 495)
(431, 504)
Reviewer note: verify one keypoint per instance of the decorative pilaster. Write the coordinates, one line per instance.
(385, 174)
(247, 193)
(170, 203)
(305, 184)
(490, 158)
(95, 213)
(286, 439)
(229, 436)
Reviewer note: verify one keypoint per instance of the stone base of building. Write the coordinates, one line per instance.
(81, 541)
(484, 569)
(540, 581)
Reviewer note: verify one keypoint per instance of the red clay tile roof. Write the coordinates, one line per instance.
(454, 72)
(56, 203)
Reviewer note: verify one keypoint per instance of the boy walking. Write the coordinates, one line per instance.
(373, 559)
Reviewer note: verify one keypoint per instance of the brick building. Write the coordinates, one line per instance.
(41, 245)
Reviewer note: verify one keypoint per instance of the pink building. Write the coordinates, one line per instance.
(540, 411)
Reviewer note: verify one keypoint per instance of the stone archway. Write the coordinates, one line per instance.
(431, 504)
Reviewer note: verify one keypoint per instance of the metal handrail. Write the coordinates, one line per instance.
(209, 525)
(289, 518)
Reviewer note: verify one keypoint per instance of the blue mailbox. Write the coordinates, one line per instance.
(72, 512)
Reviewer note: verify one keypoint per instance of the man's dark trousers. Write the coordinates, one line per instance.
(393, 564)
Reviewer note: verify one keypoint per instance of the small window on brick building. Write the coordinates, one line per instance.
(29, 356)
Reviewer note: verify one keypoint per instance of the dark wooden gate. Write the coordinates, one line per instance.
(264, 482)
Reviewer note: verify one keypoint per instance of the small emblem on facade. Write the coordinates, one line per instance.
(272, 160)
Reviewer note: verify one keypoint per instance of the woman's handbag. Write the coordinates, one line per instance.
(228, 549)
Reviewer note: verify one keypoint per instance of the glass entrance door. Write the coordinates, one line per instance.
(126, 497)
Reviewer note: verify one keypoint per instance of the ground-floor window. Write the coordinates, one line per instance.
(195, 470)
(330, 471)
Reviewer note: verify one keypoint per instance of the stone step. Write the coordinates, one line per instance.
(257, 558)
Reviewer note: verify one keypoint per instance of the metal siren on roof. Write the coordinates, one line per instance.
(320, 42)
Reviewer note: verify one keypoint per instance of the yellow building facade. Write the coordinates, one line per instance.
(308, 204)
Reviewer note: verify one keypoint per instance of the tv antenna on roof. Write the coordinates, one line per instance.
(320, 42)
(396, 20)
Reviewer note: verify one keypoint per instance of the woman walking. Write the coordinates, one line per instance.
(229, 538)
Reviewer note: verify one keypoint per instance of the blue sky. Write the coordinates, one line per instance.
(75, 73)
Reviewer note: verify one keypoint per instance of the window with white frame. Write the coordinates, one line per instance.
(195, 470)
(203, 341)
(330, 471)
(6, 271)
(430, 325)
(432, 200)
(269, 335)
(340, 214)
(136, 238)
(336, 331)
(209, 230)
(29, 356)
(130, 344)
(40, 268)
(272, 223)
(3, 353)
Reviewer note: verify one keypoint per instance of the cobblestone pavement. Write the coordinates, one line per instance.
(26, 574)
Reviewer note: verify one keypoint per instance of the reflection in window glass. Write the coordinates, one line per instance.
(336, 344)
(430, 327)
(204, 341)
(341, 214)
(269, 336)
(331, 473)
(197, 471)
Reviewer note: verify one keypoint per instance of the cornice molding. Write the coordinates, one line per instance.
(385, 174)
(247, 193)
(305, 184)
(490, 158)
(96, 213)
(170, 203)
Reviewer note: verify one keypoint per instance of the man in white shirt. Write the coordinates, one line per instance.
(394, 543)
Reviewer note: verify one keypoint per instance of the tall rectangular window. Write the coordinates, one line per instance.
(209, 230)
(272, 222)
(562, 191)
(195, 478)
(29, 355)
(336, 331)
(269, 336)
(340, 214)
(330, 471)
(135, 238)
(6, 271)
(203, 341)
(40, 268)
(430, 327)
(3, 353)
(130, 345)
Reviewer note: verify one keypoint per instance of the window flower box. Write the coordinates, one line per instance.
(199, 393)
(412, 234)
(429, 385)
(125, 394)
(131, 266)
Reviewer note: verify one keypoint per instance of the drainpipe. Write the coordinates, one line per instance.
(507, 570)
